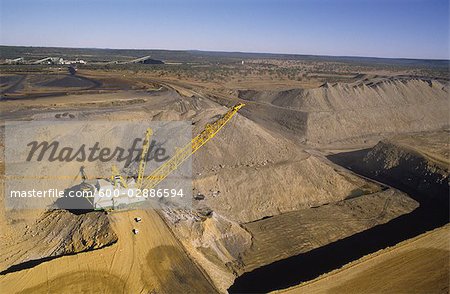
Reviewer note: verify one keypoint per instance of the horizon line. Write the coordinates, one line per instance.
(241, 52)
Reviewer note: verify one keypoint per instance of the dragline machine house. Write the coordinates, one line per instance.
(103, 199)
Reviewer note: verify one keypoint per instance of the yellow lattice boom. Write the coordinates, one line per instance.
(143, 161)
(184, 153)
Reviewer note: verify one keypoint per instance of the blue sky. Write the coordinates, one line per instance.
(381, 28)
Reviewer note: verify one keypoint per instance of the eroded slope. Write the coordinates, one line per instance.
(354, 112)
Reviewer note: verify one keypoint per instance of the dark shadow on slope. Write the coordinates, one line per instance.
(432, 213)
(32, 263)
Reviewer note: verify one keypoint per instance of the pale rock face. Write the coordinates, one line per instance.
(344, 112)
(214, 241)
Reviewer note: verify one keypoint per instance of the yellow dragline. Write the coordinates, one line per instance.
(159, 174)
(184, 153)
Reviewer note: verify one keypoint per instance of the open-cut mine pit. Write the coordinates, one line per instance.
(312, 180)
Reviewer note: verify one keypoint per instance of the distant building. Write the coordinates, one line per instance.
(49, 60)
(76, 61)
(19, 60)
(145, 60)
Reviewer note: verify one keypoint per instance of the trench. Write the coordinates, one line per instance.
(433, 212)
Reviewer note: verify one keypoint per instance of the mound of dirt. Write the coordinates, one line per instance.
(214, 241)
(287, 98)
(56, 233)
(342, 112)
(418, 163)
(247, 173)
(68, 82)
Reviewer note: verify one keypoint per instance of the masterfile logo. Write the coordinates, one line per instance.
(54, 151)
(50, 164)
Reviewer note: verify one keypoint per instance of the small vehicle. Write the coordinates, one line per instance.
(72, 69)
(137, 219)
(135, 231)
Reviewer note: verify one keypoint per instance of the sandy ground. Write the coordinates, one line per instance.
(419, 265)
(151, 261)
(55, 233)
(306, 229)
(255, 168)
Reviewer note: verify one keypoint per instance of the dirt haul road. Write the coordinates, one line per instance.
(150, 261)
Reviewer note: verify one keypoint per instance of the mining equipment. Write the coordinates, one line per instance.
(72, 69)
(159, 174)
